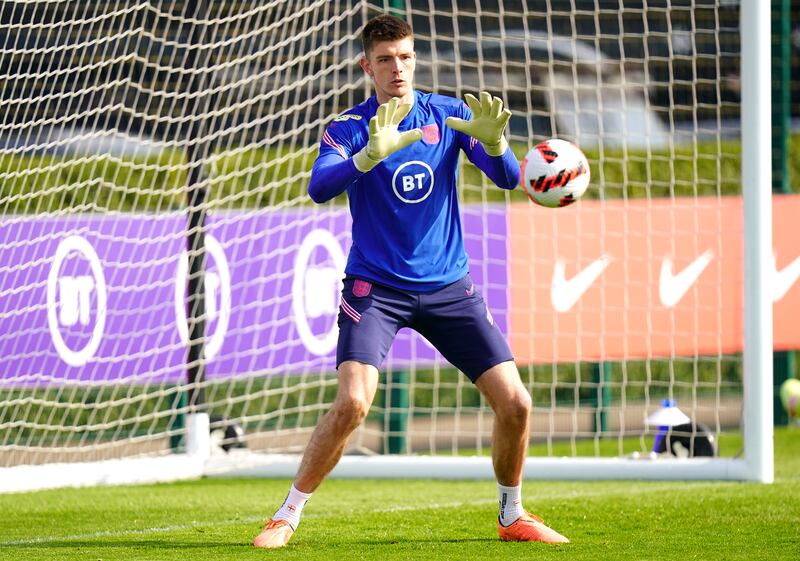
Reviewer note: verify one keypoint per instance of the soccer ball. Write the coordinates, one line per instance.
(790, 397)
(554, 173)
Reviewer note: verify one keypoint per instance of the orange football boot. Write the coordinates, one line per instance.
(275, 534)
(529, 528)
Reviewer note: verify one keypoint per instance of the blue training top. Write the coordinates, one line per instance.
(406, 223)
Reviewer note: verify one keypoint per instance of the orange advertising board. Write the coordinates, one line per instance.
(605, 280)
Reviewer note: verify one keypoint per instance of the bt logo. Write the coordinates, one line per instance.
(75, 297)
(217, 281)
(413, 182)
(76, 303)
(318, 268)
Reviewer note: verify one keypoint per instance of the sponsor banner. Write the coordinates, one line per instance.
(89, 298)
(99, 299)
(786, 270)
(641, 278)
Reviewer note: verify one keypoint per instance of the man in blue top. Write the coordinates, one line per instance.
(396, 156)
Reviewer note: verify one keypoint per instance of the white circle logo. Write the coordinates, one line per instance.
(71, 305)
(315, 290)
(413, 182)
(218, 296)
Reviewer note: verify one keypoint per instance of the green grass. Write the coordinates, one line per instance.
(431, 520)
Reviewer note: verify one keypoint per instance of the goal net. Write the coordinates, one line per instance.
(169, 293)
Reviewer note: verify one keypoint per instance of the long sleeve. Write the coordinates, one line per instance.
(331, 176)
(502, 170)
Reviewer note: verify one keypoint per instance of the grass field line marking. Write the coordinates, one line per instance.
(120, 533)
(213, 523)
(251, 519)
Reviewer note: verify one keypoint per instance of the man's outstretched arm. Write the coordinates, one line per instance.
(332, 175)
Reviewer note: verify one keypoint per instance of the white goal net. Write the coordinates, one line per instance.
(159, 255)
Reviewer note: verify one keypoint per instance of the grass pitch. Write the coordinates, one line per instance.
(431, 520)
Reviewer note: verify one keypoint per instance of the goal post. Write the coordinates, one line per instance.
(664, 283)
(758, 270)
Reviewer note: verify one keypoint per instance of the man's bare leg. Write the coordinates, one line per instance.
(511, 403)
(357, 385)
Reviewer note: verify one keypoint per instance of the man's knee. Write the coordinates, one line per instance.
(519, 406)
(506, 393)
(350, 410)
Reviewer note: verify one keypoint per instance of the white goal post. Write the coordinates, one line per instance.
(758, 270)
(168, 293)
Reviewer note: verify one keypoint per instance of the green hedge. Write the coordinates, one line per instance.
(259, 177)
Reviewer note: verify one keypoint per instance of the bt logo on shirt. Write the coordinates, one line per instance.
(413, 182)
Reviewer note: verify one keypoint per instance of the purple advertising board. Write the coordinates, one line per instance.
(101, 299)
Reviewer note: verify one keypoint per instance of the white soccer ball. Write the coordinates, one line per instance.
(555, 173)
(790, 398)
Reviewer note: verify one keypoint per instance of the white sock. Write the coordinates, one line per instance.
(292, 507)
(510, 504)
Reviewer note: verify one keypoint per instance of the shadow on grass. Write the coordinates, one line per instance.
(402, 541)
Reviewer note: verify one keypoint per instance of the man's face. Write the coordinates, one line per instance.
(391, 64)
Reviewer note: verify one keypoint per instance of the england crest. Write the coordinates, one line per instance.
(361, 288)
(430, 133)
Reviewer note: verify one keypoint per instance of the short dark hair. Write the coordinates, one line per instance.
(384, 28)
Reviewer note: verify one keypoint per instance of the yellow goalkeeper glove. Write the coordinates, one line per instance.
(384, 138)
(488, 122)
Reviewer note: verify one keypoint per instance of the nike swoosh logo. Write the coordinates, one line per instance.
(673, 287)
(565, 293)
(783, 280)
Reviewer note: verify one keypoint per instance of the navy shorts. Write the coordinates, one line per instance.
(454, 319)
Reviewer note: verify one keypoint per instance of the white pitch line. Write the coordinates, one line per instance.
(577, 494)
(176, 527)
(116, 533)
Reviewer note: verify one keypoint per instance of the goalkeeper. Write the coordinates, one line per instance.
(396, 157)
